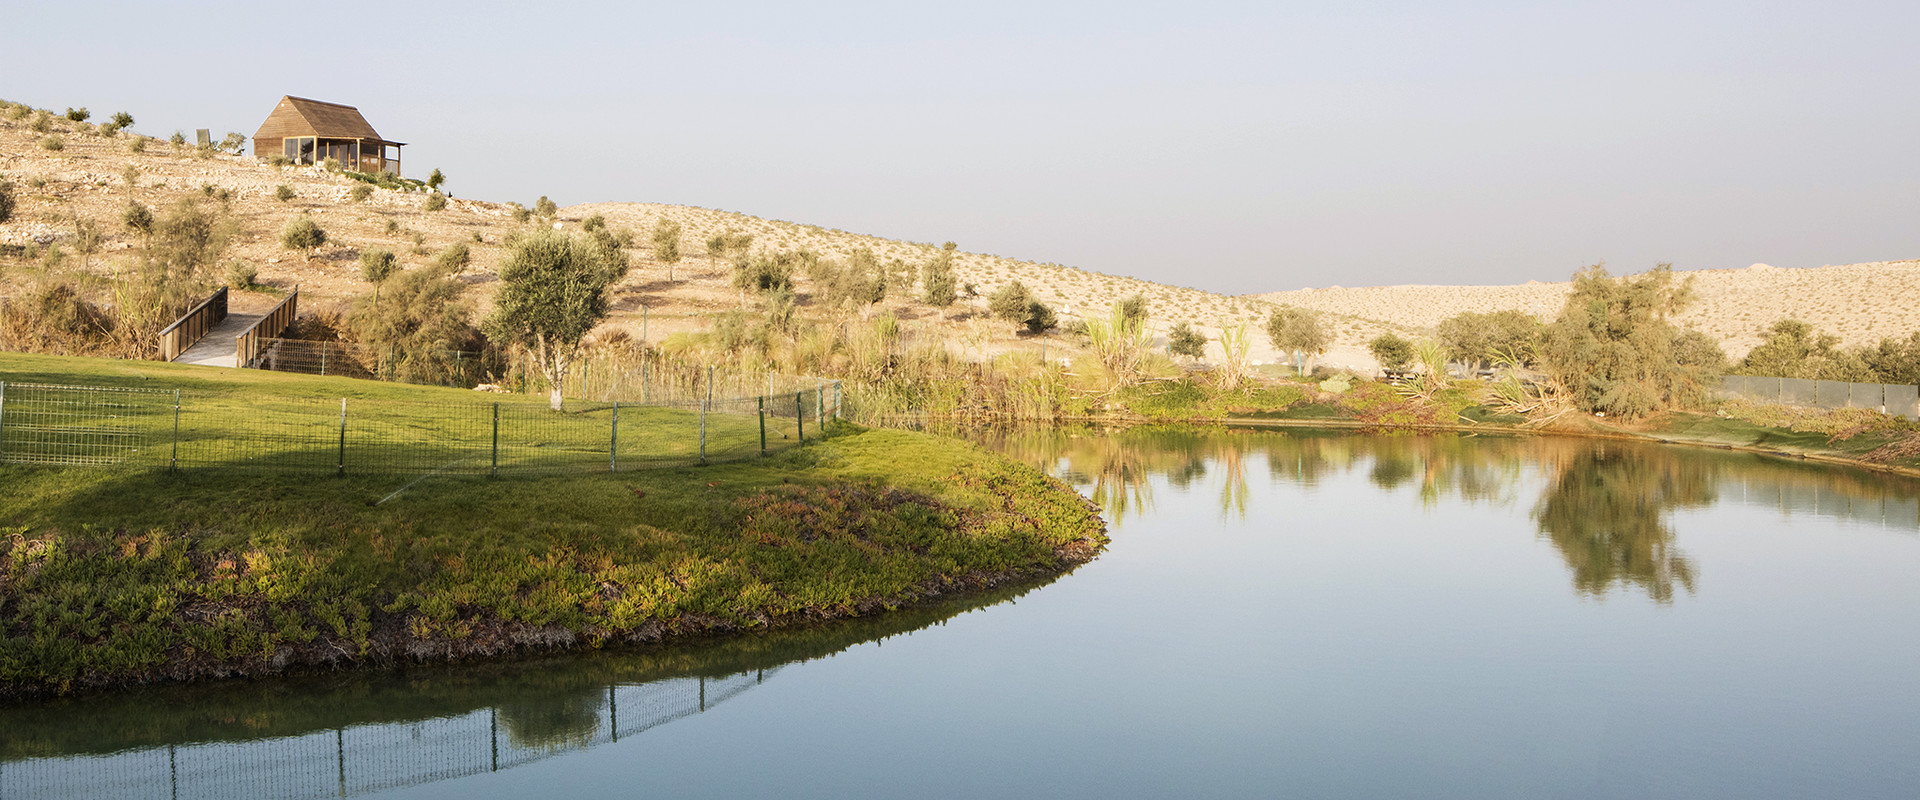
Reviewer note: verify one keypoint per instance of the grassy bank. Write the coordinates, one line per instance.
(117, 576)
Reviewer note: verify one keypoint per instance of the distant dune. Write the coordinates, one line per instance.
(1861, 303)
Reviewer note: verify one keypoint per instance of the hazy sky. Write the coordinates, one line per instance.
(1232, 147)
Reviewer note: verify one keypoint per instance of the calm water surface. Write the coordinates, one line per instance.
(1280, 615)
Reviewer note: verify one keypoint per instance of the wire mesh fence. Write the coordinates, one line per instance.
(429, 367)
(361, 759)
(502, 434)
(1894, 399)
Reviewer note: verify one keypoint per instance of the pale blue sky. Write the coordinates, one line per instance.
(1232, 147)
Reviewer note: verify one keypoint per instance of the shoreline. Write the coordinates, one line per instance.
(262, 577)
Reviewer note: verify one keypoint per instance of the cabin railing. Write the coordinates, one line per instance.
(191, 327)
(248, 346)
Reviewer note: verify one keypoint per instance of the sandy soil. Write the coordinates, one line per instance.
(85, 179)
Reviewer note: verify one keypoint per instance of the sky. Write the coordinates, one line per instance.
(1233, 147)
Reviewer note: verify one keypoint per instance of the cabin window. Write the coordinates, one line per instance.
(300, 149)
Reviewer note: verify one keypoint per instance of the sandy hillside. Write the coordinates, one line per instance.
(1861, 303)
(86, 179)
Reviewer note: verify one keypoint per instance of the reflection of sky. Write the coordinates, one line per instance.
(1341, 641)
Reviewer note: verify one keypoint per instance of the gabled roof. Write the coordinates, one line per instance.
(299, 116)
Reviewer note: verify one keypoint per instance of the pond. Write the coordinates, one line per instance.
(1281, 613)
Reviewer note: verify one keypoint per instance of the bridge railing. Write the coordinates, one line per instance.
(191, 327)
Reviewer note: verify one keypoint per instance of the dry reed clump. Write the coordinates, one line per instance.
(54, 318)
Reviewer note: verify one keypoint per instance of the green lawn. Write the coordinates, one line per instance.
(115, 575)
(269, 421)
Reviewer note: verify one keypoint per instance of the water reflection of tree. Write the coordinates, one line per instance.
(553, 722)
(1606, 512)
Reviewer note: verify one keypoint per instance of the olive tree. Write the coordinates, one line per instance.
(1185, 341)
(1014, 303)
(1393, 352)
(936, 278)
(1298, 332)
(553, 289)
(666, 244)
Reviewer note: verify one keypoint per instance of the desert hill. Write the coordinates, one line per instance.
(85, 177)
(1861, 303)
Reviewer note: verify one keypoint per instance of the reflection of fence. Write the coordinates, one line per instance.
(1889, 510)
(247, 346)
(81, 425)
(193, 326)
(360, 759)
(430, 367)
(1894, 399)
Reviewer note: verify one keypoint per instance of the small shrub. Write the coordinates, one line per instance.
(454, 259)
(596, 222)
(178, 140)
(520, 213)
(378, 265)
(545, 207)
(78, 114)
(138, 145)
(278, 161)
(122, 119)
(283, 193)
(7, 203)
(53, 143)
(434, 180)
(42, 122)
(435, 202)
(233, 142)
(393, 226)
(360, 193)
(137, 218)
(303, 234)
(20, 111)
(241, 275)
(330, 164)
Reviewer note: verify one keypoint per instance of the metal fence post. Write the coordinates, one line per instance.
(494, 471)
(763, 425)
(820, 415)
(342, 468)
(613, 448)
(173, 461)
(800, 416)
(3, 421)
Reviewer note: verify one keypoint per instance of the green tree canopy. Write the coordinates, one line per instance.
(417, 328)
(938, 286)
(1297, 331)
(1477, 338)
(1393, 353)
(1183, 340)
(1615, 351)
(666, 243)
(553, 289)
(1794, 349)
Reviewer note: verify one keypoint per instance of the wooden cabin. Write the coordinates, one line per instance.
(311, 131)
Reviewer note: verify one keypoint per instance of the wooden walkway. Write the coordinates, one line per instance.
(217, 348)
